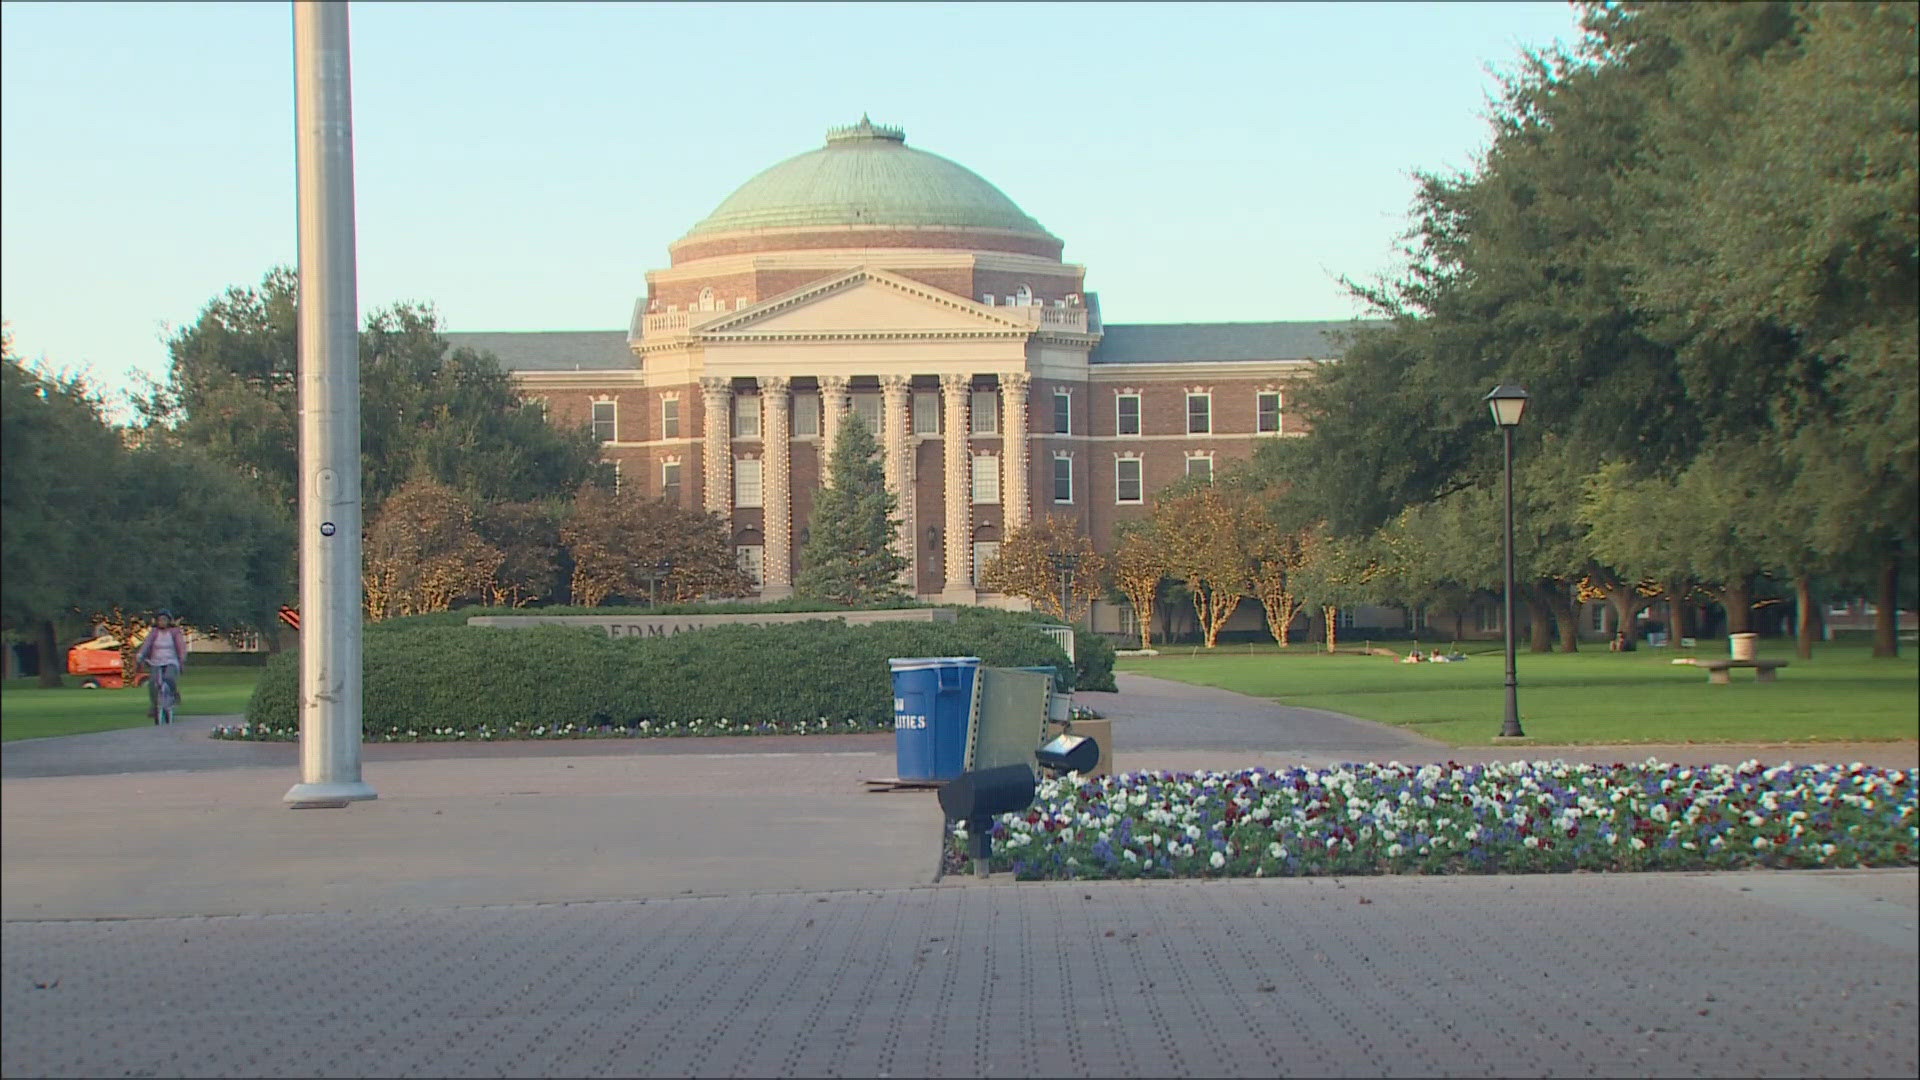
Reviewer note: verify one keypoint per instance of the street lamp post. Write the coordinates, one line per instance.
(1508, 402)
(1064, 564)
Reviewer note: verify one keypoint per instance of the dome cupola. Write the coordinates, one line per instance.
(867, 175)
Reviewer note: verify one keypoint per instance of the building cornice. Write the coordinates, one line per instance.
(1189, 369)
(839, 259)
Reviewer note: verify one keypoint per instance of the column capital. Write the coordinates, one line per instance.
(834, 383)
(896, 383)
(715, 384)
(773, 384)
(1016, 380)
(952, 381)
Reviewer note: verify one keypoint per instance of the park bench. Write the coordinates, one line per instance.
(1763, 670)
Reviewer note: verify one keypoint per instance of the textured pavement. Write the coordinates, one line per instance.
(745, 907)
(1648, 975)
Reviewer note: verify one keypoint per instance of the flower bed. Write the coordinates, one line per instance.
(645, 729)
(1538, 817)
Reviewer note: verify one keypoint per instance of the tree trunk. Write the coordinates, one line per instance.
(1803, 599)
(1737, 599)
(1331, 615)
(1459, 624)
(51, 662)
(1566, 616)
(1886, 615)
(1626, 604)
(1539, 623)
(1677, 621)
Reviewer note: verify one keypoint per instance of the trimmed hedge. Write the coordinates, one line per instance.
(1093, 652)
(459, 616)
(428, 682)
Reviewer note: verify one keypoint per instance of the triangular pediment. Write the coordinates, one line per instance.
(863, 303)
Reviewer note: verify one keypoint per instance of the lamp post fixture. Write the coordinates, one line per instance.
(657, 573)
(1065, 563)
(1508, 402)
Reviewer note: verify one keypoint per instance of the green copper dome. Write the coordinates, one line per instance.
(866, 175)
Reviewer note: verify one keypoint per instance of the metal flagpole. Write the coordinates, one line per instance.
(329, 367)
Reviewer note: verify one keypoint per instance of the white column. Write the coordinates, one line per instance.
(1015, 469)
(776, 409)
(328, 363)
(716, 398)
(955, 401)
(897, 447)
(834, 402)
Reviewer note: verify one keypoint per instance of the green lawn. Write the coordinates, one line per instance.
(27, 712)
(1842, 694)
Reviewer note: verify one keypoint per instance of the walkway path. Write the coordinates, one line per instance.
(744, 907)
(1781, 974)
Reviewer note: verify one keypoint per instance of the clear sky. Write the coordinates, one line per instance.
(523, 165)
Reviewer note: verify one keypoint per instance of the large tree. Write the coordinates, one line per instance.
(450, 415)
(850, 557)
(1026, 567)
(631, 546)
(60, 468)
(94, 526)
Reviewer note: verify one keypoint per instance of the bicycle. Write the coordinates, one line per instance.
(166, 696)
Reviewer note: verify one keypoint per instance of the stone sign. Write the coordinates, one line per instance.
(668, 625)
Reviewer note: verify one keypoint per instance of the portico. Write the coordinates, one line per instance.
(921, 366)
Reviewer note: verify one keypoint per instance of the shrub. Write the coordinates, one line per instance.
(1093, 653)
(423, 680)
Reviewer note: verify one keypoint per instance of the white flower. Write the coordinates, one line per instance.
(1762, 843)
(1531, 841)
(1394, 851)
(1274, 849)
(1217, 861)
(1638, 844)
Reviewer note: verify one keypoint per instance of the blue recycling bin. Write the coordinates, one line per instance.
(932, 708)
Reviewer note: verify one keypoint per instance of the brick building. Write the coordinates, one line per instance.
(872, 277)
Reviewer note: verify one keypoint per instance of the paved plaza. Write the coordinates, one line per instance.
(745, 907)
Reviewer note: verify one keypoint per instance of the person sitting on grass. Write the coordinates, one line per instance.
(164, 653)
(1414, 657)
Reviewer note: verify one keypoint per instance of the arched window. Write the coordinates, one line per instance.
(1023, 295)
(706, 299)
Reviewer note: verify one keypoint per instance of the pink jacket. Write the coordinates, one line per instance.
(179, 645)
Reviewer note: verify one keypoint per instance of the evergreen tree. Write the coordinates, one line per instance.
(850, 558)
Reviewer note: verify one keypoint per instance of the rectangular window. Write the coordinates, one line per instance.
(985, 409)
(986, 478)
(1839, 608)
(1126, 414)
(606, 421)
(1268, 421)
(1344, 620)
(670, 481)
(670, 418)
(926, 412)
(746, 416)
(1200, 468)
(753, 560)
(1599, 617)
(984, 552)
(1199, 414)
(1063, 479)
(806, 415)
(1062, 413)
(867, 408)
(746, 481)
(1126, 480)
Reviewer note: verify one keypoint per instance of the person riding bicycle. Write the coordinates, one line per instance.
(164, 652)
